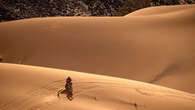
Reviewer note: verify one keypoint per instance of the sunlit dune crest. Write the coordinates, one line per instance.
(37, 87)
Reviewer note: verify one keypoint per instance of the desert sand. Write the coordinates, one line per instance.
(36, 89)
(153, 45)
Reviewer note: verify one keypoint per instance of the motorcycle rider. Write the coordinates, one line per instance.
(68, 83)
(68, 88)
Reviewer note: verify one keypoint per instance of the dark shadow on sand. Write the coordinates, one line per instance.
(69, 93)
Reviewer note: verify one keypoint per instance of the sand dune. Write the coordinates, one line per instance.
(162, 10)
(157, 49)
(35, 88)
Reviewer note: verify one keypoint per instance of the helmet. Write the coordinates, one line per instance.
(68, 79)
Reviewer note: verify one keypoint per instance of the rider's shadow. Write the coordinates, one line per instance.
(68, 93)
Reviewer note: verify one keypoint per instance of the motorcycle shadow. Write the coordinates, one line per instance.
(68, 93)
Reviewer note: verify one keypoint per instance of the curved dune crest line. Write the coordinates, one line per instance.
(138, 48)
(160, 10)
(30, 87)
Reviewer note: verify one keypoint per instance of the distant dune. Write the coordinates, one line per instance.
(35, 88)
(157, 47)
(164, 10)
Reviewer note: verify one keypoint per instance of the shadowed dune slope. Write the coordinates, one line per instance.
(35, 88)
(156, 49)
